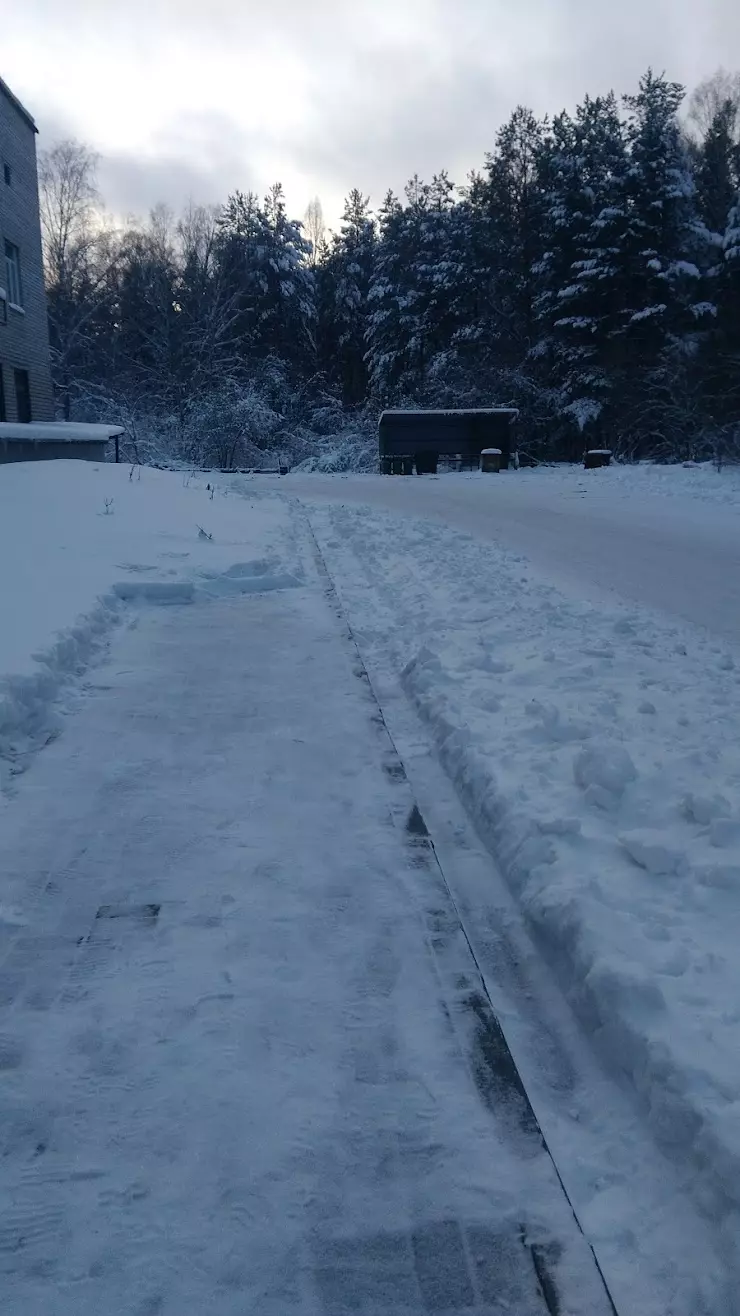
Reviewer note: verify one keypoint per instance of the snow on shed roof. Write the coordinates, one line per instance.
(17, 105)
(58, 431)
(451, 411)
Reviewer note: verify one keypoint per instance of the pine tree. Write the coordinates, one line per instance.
(471, 297)
(148, 337)
(440, 268)
(727, 375)
(345, 277)
(661, 279)
(264, 258)
(388, 299)
(416, 250)
(288, 312)
(516, 213)
(717, 175)
(717, 170)
(240, 255)
(666, 314)
(415, 310)
(585, 167)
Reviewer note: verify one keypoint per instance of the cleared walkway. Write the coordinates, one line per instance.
(246, 1064)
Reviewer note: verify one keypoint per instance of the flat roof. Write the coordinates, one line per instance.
(57, 431)
(451, 411)
(17, 105)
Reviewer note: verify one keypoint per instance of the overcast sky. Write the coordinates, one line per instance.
(194, 98)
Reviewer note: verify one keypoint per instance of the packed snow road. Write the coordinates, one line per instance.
(248, 1064)
(592, 532)
(248, 1054)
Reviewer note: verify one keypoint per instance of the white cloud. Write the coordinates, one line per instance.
(181, 96)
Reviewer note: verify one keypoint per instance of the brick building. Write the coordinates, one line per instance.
(25, 372)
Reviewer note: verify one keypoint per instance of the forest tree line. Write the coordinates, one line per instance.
(588, 274)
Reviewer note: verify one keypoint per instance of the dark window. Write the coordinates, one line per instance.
(23, 396)
(13, 272)
(2, 395)
(8, 175)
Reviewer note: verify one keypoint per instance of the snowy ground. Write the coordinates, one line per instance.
(76, 541)
(595, 742)
(247, 1059)
(244, 1061)
(664, 537)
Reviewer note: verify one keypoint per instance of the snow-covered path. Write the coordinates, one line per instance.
(246, 1062)
(583, 530)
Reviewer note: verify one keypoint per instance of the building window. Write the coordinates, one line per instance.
(8, 175)
(2, 395)
(13, 273)
(23, 396)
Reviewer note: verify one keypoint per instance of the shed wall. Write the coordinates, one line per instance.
(447, 435)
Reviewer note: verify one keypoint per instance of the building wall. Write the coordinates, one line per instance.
(24, 335)
(15, 450)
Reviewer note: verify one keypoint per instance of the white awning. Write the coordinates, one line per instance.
(58, 431)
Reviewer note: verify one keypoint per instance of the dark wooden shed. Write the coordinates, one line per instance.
(419, 438)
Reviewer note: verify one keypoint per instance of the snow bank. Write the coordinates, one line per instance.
(642, 482)
(79, 542)
(694, 481)
(597, 749)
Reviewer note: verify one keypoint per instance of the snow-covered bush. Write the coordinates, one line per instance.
(231, 427)
(352, 450)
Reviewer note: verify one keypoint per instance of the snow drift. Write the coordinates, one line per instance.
(81, 544)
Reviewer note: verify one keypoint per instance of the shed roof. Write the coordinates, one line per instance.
(17, 105)
(451, 411)
(57, 431)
